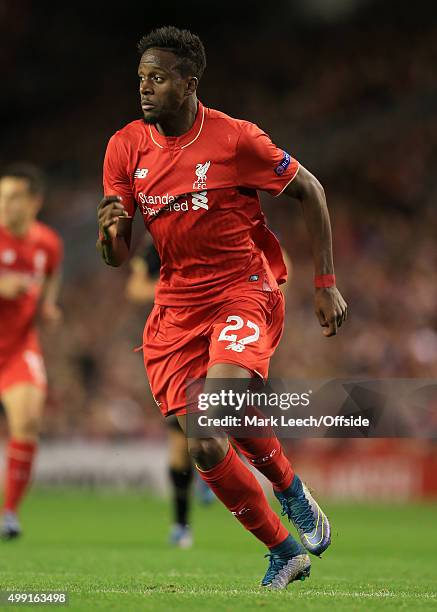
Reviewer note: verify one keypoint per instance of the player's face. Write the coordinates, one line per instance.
(163, 90)
(18, 205)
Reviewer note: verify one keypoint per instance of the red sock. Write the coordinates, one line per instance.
(18, 468)
(236, 486)
(267, 456)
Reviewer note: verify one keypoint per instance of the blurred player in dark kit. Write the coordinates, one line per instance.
(194, 173)
(30, 256)
(140, 289)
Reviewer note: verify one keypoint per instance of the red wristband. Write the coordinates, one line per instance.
(322, 281)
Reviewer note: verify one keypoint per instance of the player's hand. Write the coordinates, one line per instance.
(13, 285)
(331, 309)
(109, 211)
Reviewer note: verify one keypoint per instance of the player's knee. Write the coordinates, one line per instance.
(26, 429)
(207, 452)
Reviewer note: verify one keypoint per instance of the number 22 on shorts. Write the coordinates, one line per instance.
(238, 323)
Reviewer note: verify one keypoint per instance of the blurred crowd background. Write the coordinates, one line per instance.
(347, 87)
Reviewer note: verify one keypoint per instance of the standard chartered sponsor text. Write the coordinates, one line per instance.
(171, 203)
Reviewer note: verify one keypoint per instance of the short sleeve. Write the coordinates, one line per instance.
(261, 164)
(115, 175)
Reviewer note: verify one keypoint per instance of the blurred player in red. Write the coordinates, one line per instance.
(194, 173)
(30, 255)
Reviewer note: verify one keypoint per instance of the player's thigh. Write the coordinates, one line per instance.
(227, 370)
(24, 367)
(24, 404)
(168, 375)
(245, 333)
(173, 353)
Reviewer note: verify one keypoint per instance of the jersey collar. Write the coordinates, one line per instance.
(164, 142)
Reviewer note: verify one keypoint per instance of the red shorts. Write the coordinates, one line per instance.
(24, 365)
(184, 342)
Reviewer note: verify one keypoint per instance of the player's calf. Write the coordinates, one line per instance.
(19, 460)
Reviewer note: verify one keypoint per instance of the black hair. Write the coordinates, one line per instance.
(186, 46)
(32, 174)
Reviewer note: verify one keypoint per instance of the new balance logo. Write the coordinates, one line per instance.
(238, 347)
(141, 173)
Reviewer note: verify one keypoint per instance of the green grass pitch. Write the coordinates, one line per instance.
(110, 552)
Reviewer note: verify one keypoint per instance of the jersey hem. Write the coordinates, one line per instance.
(214, 299)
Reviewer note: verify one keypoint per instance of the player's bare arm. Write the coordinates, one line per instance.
(49, 309)
(115, 228)
(330, 307)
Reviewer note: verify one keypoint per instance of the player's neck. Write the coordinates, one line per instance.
(182, 122)
(18, 229)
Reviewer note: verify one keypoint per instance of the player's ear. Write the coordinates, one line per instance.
(191, 85)
(37, 203)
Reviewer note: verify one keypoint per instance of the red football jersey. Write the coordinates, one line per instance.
(198, 197)
(35, 255)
